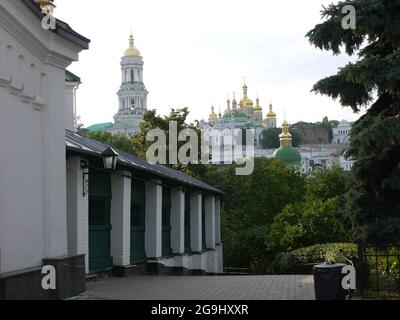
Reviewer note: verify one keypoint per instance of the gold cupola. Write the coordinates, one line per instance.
(246, 102)
(234, 102)
(228, 106)
(271, 113)
(257, 107)
(285, 137)
(213, 116)
(132, 51)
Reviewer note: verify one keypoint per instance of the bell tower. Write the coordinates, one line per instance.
(132, 95)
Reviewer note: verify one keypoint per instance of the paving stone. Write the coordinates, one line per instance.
(287, 287)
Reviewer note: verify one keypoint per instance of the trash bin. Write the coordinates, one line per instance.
(328, 281)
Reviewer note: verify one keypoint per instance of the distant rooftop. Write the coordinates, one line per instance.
(99, 127)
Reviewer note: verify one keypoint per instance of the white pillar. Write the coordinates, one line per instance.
(210, 222)
(54, 177)
(195, 222)
(153, 220)
(178, 221)
(77, 211)
(70, 108)
(121, 218)
(218, 239)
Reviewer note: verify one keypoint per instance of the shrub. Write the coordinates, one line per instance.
(302, 260)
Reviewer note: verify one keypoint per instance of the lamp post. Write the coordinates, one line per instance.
(110, 159)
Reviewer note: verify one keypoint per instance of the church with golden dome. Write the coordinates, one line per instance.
(132, 95)
(242, 114)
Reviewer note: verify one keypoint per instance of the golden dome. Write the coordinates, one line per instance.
(245, 103)
(258, 107)
(285, 137)
(132, 51)
(213, 115)
(228, 108)
(271, 113)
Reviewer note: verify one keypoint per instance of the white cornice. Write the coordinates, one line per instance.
(47, 46)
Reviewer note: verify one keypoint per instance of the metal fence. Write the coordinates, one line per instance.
(236, 271)
(379, 271)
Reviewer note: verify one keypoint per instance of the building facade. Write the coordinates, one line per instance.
(310, 134)
(33, 97)
(221, 129)
(139, 218)
(61, 205)
(341, 134)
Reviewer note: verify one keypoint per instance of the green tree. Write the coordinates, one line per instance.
(116, 141)
(316, 220)
(249, 207)
(304, 224)
(327, 124)
(270, 138)
(153, 121)
(373, 201)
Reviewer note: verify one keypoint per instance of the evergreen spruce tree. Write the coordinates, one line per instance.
(372, 82)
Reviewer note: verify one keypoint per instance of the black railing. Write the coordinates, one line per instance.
(379, 271)
(236, 271)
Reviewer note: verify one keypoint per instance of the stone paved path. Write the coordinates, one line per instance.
(203, 288)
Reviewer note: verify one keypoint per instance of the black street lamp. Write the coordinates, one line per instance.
(110, 159)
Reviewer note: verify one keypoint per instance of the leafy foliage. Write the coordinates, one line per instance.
(316, 220)
(270, 138)
(298, 260)
(116, 141)
(154, 121)
(249, 207)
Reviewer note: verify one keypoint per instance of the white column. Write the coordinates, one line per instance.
(153, 220)
(195, 222)
(121, 218)
(218, 239)
(178, 221)
(70, 110)
(210, 222)
(77, 211)
(53, 152)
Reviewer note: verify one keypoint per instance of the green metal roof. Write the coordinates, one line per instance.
(288, 155)
(99, 127)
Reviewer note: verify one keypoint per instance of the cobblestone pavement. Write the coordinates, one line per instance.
(202, 288)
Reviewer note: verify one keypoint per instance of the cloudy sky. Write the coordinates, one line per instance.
(198, 52)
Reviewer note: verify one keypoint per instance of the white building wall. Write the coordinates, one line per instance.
(218, 239)
(121, 218)
(177, 221)
(32, 163)
(70, 107)
(77, 211)
(195, 222)
(210, 222)
(153, 220)
(210, 261)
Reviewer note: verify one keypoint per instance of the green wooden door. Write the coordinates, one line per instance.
(166, 222)
(99, 221)
(203, 222)
(187, 223)
(138, 205)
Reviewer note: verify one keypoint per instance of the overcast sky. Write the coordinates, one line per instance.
(198, 52)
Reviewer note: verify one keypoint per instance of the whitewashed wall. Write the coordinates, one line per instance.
(32, 143)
